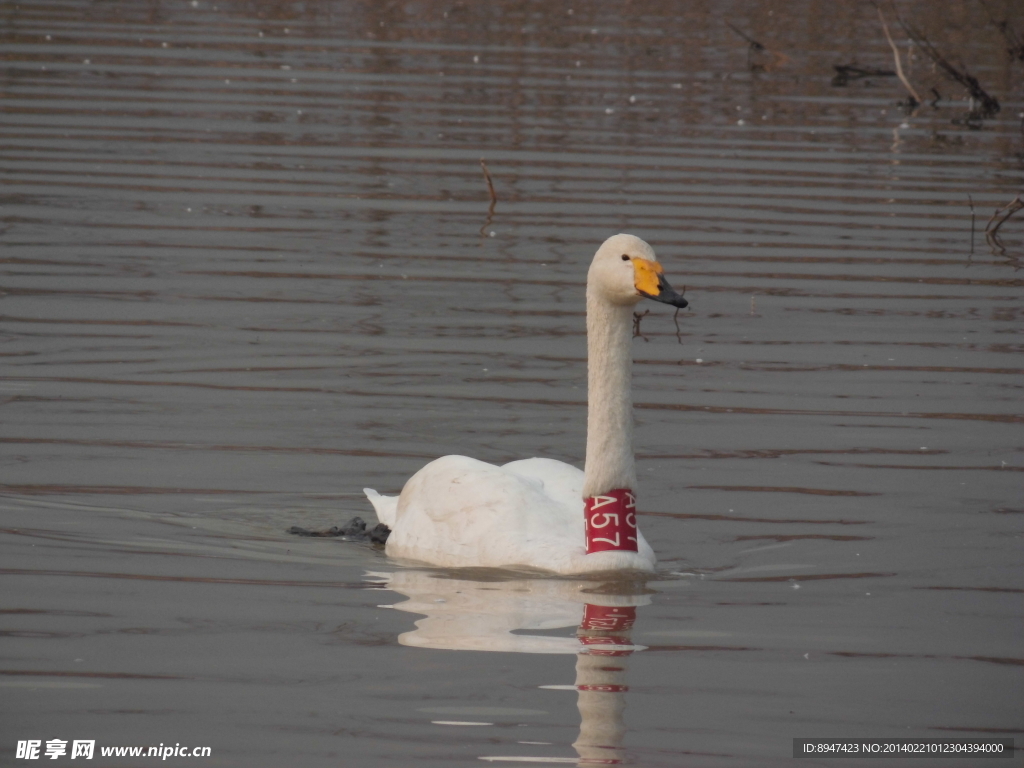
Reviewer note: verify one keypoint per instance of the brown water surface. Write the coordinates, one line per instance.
(248, 268)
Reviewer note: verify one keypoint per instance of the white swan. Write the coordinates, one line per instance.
(541, 513)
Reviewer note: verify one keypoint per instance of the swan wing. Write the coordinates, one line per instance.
(459, 511)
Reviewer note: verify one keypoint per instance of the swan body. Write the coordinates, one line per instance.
(461, 512)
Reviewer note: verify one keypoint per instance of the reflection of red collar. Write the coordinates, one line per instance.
(607, 618)
(603, 688)
(611, 521)
(614, 645)
(611, 618)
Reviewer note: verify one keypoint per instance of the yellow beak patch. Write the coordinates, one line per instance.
(645, 276)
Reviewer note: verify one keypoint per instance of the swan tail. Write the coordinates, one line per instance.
(386, 507)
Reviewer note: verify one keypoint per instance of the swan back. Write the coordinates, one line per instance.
(459, 512)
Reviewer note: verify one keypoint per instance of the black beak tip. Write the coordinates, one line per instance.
(669, 297)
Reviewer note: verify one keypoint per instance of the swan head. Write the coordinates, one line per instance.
(625, 270)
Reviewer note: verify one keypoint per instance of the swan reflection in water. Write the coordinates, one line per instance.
(479, 615)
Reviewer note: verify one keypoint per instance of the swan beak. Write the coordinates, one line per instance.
(649, 280)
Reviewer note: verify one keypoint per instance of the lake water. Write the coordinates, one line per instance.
(249, 268)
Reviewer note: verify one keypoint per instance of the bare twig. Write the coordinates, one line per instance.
(971, 201)
(754, 45)
(1014, 42)
(998, 219)
(757, 47)
(914, 97)
(675, 319)
(847, 72)
(490, 185)
(637, 317)
(494, 196)
(987, 105)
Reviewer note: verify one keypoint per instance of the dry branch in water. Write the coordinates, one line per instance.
(494, 198)
(1014, 42)
(998, 219)
(915, 99)
(755, 47)
(971, 201)
(490, 185)
(847, 72)
(983, 105)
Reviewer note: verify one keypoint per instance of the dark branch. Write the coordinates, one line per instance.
(998, 219)
(987, 106)
(754, 45)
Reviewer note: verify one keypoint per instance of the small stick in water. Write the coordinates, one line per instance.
(490, 186)
(1014, 42)
(494, 200)
(755, 47)
(999, 218)
(915, 99)
(847, 72)
(982, 104)
(971, 201)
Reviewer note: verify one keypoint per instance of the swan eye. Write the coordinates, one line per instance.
(625, 257)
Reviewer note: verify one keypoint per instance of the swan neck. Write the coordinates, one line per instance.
(609, 462)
